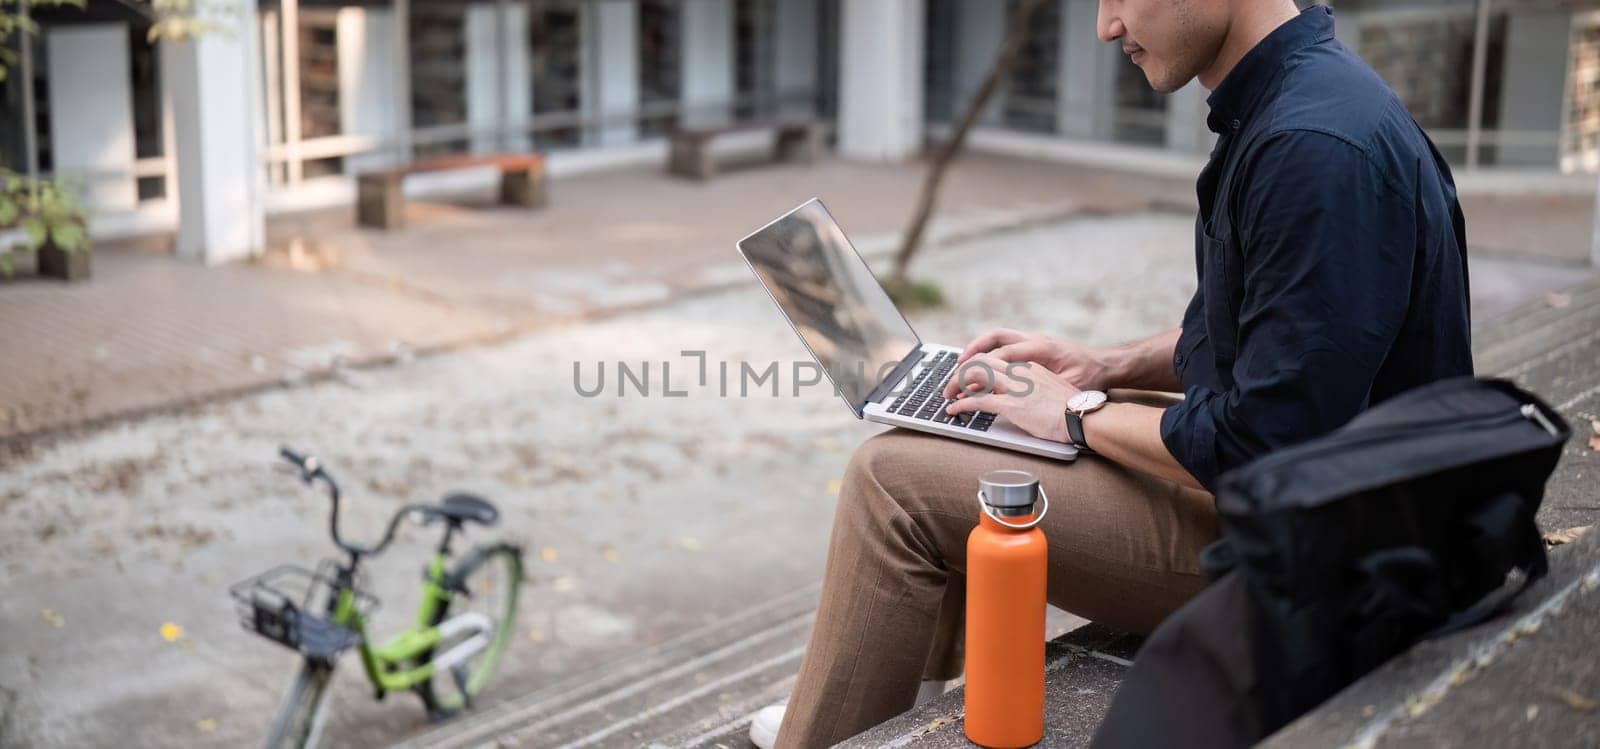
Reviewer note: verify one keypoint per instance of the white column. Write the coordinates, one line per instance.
(795, 59)
(1347, 29)
(400, 73)
(980, 30)
(482, 50)
(517, 88)
(91, 112)
(211, 81)
(880, 86)
(1087, 83)
(706, 82)
(366, 89)
(1535, 62)
(289, 47)
(1594, 243)
(1186, 119)
(615, 41)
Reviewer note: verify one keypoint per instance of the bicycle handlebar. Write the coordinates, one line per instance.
(311, 471)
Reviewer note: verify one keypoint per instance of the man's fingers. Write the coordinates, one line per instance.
(977, 375)
(987, 402)
(1031, 349)
(988, 341)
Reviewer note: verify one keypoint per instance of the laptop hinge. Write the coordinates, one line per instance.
(897, 374)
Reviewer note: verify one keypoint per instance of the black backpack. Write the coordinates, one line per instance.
(1414, 520)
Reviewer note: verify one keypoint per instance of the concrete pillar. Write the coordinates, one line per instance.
(482, 60)
(980, 29)
(1347, 29)
(880, 86)
(1535, 58)
(614, 42)
(1594, 244)
(517, 84)
(366, 89)
(1186, 119)
(212, 81)
(497, 76)
(91, 113)
(795, 58)
(707, 80)
(1087, 82)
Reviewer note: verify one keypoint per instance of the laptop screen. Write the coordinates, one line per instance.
(831, 298)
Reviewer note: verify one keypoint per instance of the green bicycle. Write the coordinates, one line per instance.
(463, 622)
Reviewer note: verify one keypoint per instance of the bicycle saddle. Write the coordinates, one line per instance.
(462, 507)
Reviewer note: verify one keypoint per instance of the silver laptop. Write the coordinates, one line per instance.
(874, 359)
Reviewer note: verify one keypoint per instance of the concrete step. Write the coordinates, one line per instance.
(1554, 352)
(1525, 678)
(1082, 671)
(688, 685)
(1537, 329)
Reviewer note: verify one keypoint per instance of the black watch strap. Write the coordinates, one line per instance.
(1075, 430)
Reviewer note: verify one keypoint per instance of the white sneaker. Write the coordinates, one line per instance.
(765, 723)
(764, 726)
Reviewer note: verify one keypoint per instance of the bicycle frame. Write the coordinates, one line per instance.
(393, 665)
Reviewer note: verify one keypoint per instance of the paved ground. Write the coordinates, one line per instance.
(661, 514)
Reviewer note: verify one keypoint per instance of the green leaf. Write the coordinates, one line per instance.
(36, 230)
(69, 236)
(8, 211)
(7, 267)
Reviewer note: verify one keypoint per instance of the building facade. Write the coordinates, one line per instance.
(280, 107)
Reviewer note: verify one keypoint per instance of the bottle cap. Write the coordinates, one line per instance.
(1009, 492)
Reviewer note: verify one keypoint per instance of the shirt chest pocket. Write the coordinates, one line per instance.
(1222, 285)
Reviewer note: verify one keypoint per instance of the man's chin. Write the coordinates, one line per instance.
(1165, 81)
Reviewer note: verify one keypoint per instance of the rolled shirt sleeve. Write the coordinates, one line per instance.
(1321, 282)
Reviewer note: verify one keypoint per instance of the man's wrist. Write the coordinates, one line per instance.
(1116, 366)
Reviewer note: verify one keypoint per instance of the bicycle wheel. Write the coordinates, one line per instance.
(491, 576)
(299, 721)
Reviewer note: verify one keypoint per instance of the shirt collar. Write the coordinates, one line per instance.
(1235, 99)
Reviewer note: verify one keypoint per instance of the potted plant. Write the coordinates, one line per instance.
(52, 224)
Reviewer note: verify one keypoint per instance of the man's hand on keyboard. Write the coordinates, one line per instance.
(1084, 367)
(1027, 394)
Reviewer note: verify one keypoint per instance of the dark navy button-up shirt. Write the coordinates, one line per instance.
(1331, 253)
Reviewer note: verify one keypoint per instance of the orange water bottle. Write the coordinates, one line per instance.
(1006, 561)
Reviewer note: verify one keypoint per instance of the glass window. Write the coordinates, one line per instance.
(555, 45)
(1029, 101)
(660, 50)
(438, 71)
(755, 90)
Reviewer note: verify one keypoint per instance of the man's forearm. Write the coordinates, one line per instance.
(1145, 365)
(1130, 434)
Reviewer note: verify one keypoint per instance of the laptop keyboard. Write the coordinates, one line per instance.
(924, 398)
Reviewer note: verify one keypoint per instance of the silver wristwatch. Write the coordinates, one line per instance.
(1078, 405)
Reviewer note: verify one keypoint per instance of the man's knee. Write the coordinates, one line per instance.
(874, 464)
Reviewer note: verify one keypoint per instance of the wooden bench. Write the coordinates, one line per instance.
(381, 204)
(692, 155)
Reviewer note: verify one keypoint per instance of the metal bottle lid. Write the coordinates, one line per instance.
(1009, 492)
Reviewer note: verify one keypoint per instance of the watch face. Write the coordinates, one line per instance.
(1087, 400)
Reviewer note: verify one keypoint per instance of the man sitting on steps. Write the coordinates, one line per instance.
(1331, 257)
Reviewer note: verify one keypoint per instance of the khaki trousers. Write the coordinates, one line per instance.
(1124, 550)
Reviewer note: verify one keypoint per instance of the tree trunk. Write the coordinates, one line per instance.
(1016, 36)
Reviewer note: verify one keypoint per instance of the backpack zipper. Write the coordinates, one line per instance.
(1527, 411)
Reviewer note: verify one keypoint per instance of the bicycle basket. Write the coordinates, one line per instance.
(286, 604)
